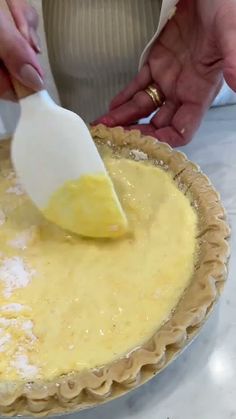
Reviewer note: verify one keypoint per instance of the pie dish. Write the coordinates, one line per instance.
(74, 390)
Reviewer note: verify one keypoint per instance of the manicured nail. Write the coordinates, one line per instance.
(30, 77)
(105, 120)
(35, 40)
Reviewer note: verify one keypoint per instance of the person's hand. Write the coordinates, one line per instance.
(19, 47)
(187, 64)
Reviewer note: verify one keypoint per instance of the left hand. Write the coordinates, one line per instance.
(19, 47)
(186, 64)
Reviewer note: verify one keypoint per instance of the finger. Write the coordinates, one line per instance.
(182, 128)
(187, 120)
(162, 118)
(18, 57)
(140, 106)
(167, 134)
(165, 114)
(145, 129)
(26, 20)
(140, 82)
(35, 40)
(33, 21)
(226, 35)
(24, 15)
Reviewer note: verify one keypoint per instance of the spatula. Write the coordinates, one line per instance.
(60, 168)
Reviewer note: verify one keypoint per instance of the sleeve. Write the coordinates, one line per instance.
(168, 9)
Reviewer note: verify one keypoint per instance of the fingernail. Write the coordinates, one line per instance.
(35, 40)
(106, 120)
(30, 77)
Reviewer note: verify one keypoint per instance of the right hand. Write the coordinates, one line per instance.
(19, 47)
(187, 64)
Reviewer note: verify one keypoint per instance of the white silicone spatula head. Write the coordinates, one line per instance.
(51, 146)
(60, 168)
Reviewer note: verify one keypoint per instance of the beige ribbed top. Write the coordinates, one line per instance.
(94, 48)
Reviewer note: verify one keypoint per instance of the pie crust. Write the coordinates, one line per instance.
(78, 391)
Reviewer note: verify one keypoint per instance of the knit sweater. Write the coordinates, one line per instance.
(95, 47)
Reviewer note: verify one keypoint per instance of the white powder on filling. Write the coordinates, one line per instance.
(4, 322)
(23, 366)
(16, 189)
(23, 239)
(20, 361)
(12, 308)
(139, 155)
(4, 340)
(11, 175)
(27, 326)
(2, 217)
(14, 274)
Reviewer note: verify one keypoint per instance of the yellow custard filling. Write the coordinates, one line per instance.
(69, 303)
(89, 207)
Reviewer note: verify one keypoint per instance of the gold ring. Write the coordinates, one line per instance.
(154, 95)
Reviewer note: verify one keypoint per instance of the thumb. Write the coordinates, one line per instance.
(226, 35)
(18, 57)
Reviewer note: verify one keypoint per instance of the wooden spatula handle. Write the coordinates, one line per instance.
(20, 90)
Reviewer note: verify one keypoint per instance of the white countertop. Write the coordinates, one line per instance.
(201, 384)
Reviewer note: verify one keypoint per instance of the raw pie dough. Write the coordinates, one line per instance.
(68, 303)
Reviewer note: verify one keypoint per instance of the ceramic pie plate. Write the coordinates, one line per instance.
(78, 391)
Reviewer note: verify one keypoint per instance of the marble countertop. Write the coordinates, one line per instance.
(201, 384)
